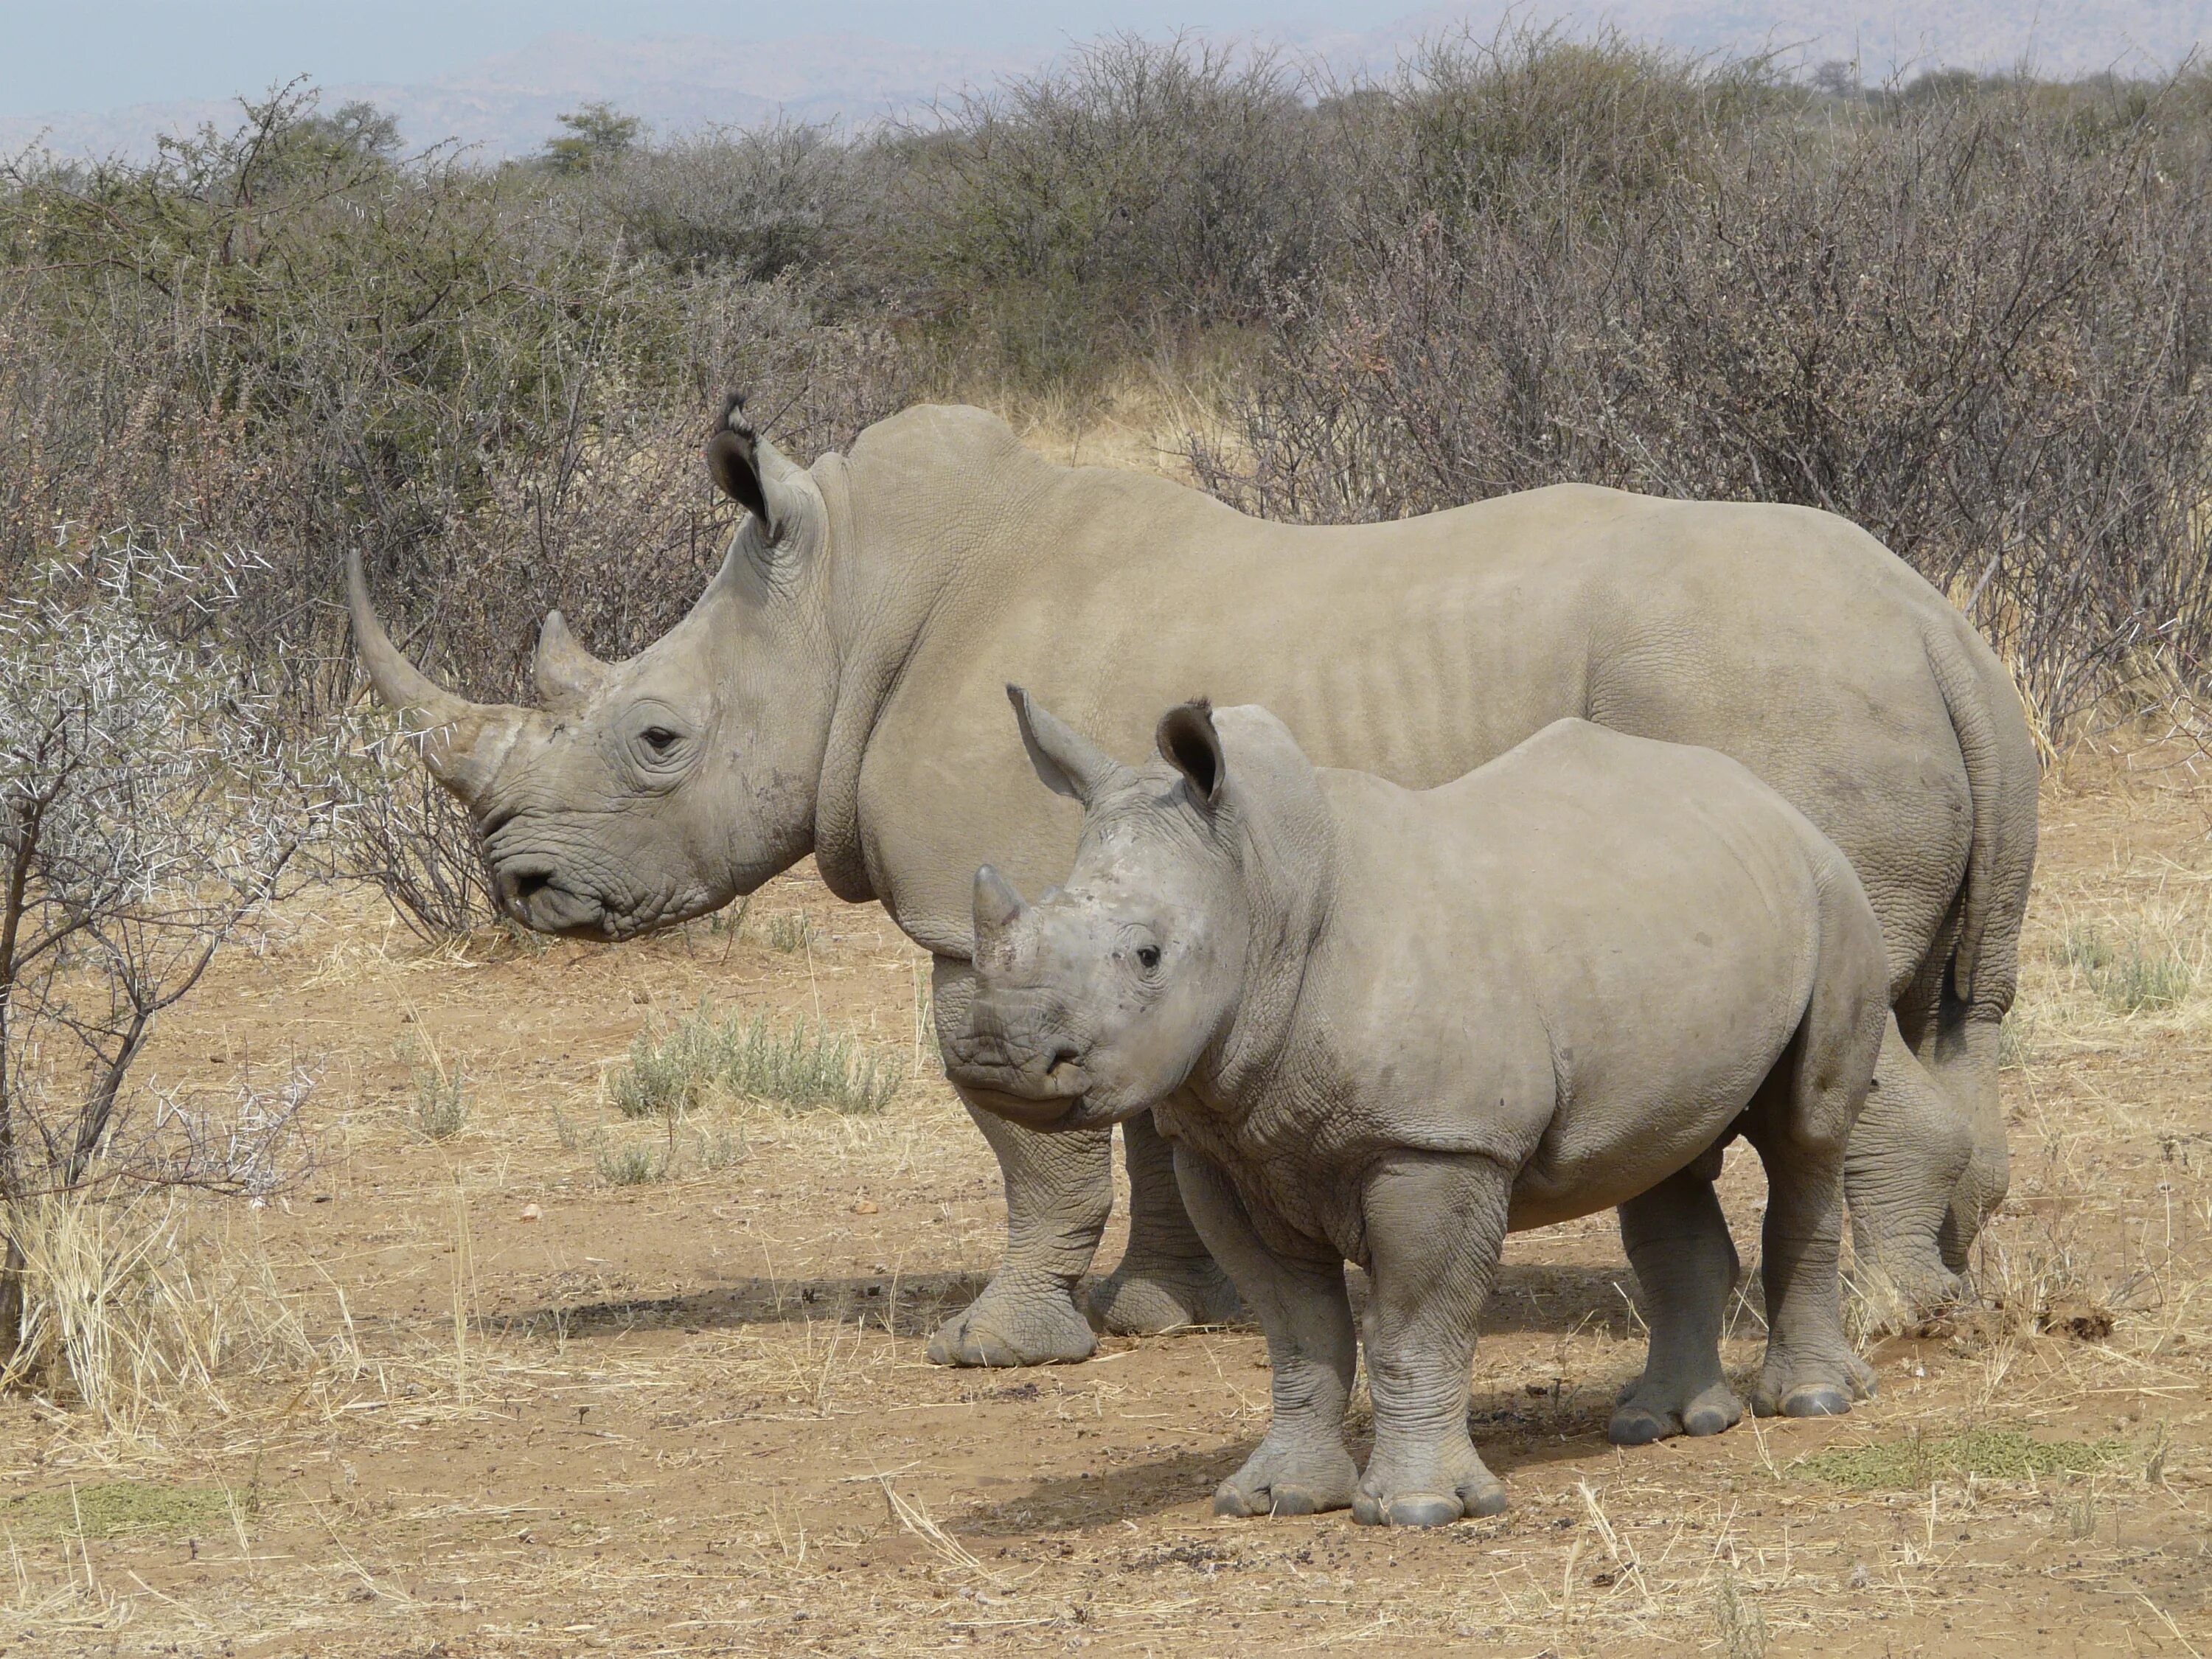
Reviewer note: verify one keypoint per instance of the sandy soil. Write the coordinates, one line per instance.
(502, 1405)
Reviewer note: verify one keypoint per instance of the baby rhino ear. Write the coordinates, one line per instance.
(1189, 743)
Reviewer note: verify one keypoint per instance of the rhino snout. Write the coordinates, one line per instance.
(1032, 1085)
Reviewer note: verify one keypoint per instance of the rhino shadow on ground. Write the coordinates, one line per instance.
(1541, 1298)
(1512, 1439)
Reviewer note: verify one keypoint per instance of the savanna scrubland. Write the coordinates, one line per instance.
(377, 1279)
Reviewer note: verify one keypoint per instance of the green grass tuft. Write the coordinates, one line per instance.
(2141, 981)
(673, 1069)
(2139, 975)
(111, 1508)
(1988, 1454)
(441, 1100)
(628, 1166)
(790, 931)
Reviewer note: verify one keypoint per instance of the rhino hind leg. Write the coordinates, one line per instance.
(1167, 1280)
(1430, 1283)
(1678, 1242)
(1059, 1192)
(1301, 1467)
(1800, 1122)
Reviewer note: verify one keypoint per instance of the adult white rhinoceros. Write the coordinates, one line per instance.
(838, 690)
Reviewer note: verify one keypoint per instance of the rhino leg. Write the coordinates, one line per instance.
(1678, 1242)
(1801, 1123)
(1167, 1279)
(1301, 1467)
(1059, 1190)
(1059, 1193)
(1435, 1224)
(1907, 1163)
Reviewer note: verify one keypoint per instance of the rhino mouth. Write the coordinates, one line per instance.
(1036, 1090)
(532, 895)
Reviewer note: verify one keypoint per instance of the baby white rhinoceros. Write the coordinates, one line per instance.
(1389, 1026)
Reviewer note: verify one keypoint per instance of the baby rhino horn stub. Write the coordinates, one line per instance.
(997, 905)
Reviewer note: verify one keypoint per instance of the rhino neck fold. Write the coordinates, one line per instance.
(925, 499)
(1291, 876)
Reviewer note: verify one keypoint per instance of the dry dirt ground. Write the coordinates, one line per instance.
(483, 1398)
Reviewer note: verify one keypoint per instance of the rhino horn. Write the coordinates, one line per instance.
(461, 742)
(997, 905)
(564, 670)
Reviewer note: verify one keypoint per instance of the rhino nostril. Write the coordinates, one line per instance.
(1062, 1054)
(535, 882)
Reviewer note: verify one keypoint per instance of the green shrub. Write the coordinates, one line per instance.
(2139, 975)
(630, 1164)
(2145, 978)
(441, 1100)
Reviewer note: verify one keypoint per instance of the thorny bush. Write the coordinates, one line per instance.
(151, 806)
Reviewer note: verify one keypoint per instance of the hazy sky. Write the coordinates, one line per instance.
(105, 54)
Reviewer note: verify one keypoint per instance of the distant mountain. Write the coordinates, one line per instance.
(507, 105)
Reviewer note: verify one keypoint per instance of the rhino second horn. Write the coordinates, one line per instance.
(564, 670)
(997, 904)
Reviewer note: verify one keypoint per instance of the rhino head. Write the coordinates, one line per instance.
(1101, 998)
(643, 793)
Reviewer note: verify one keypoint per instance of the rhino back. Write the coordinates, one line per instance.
(1417, 650)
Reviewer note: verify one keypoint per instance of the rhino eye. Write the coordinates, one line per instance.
(1148, 956)
(658, 739)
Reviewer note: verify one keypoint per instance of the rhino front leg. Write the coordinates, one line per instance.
(1167, 1279)
(1059, 1190)
(1908, 1157)
(1301, 1467)
(1678, 1242)
(1435, 1224)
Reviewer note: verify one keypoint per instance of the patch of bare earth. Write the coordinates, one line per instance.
(550, 1412)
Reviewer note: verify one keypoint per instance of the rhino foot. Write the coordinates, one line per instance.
(1650, 1409)
(1431, 1487)
(1288, 1479)
(1811, 1385)
(1137, 1299)
(1008, 1326)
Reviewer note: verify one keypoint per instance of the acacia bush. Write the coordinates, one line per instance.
(1139, 192)
(151, 804)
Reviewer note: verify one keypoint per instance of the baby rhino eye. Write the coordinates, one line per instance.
(1149, 955)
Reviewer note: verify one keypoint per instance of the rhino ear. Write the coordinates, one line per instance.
(1068, 762)
(1189, 743)
(754, 474)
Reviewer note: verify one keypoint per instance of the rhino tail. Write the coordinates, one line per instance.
(2001, 766)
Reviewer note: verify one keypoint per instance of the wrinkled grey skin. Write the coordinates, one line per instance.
(1388, 1027)
(837, 690)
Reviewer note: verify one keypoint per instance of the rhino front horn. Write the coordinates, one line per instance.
(461, 742)
(997, 904)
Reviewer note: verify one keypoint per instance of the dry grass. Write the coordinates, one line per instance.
(529, 1410)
